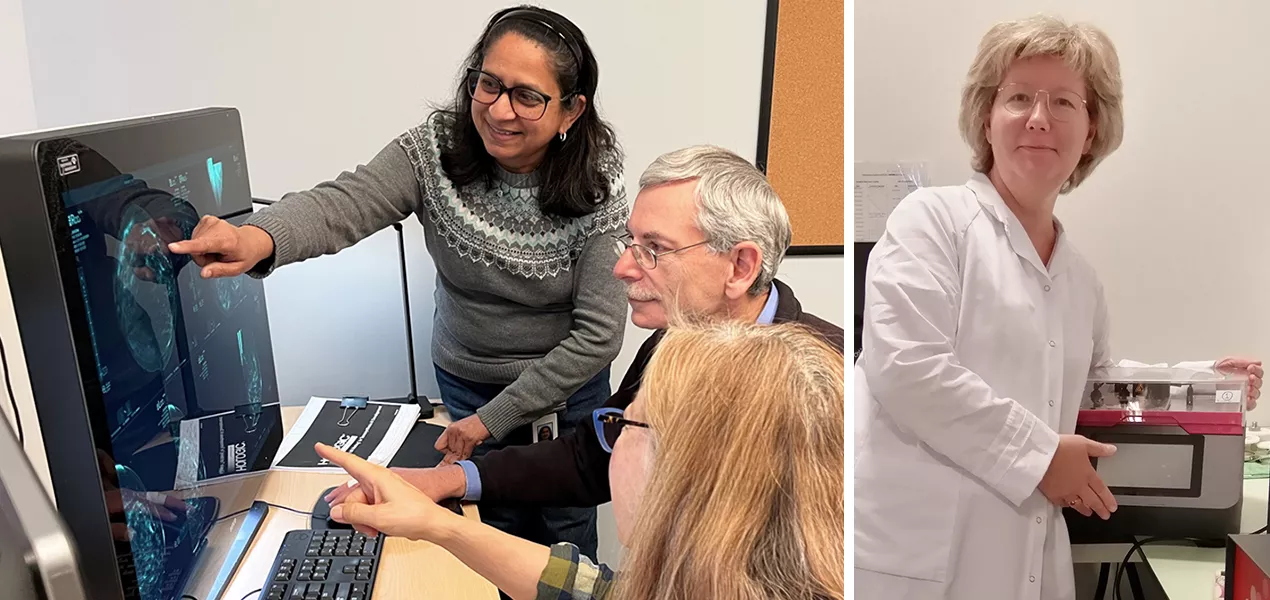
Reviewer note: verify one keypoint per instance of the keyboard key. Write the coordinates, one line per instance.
(288, 562)
(297, 592)
(323, 561)
(311, 552)
(282, 576)
(328, 593)
(304, 576)
(363, 576)
(366, 562)
(341, 591)
(371, 546)
(349, 569)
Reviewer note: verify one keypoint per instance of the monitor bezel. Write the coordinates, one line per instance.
(41, 267)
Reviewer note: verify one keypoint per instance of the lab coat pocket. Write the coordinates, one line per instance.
(905, 511)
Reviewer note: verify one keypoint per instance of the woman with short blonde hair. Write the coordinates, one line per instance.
(726, 480)
(981, 324)
(1083, 48)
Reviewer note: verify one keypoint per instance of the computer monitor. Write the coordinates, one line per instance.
(37, 558)
(154, 388)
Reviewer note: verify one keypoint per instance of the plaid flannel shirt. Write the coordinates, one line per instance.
(571, 576)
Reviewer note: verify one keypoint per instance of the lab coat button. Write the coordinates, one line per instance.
(1031, 578)
(1051, 403)
(1052, 344)
(1038, 519)
(1047, 288)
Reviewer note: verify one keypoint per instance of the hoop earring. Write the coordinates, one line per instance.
(563, 135)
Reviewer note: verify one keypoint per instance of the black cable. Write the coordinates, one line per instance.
(189, 597)
(272, 505)
(13, 399)
(1137, 547)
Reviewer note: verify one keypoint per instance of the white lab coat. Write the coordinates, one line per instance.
(973, 362)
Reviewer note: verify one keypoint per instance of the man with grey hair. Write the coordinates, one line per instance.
(705, 238)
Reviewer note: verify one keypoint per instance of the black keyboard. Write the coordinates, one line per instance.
(324, 564)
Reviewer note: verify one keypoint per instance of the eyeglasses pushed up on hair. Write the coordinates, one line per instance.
(1020, 98)
(645, 257)
(608, 425)
(528, 104)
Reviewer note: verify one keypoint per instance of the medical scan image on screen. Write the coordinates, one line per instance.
(184, 364)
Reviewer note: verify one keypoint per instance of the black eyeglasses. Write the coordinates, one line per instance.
(608, 425)
(645, 256)
(527, 103)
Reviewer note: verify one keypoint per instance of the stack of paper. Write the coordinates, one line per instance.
(374, 433)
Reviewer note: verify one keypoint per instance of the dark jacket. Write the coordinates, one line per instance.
(574, 470)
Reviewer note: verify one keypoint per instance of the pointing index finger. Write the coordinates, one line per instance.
(357, 467)
(202, 245)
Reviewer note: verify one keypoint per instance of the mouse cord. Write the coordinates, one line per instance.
(278, 506)
(249, 594)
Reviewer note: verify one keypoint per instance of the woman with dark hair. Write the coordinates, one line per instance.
(517, 183)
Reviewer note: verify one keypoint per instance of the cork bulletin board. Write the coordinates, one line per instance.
(801, 141)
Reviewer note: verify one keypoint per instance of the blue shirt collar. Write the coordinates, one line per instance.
(769, 309)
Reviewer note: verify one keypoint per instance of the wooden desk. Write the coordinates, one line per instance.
(407, 569)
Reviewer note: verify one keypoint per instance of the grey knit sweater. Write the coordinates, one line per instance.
(522, 298)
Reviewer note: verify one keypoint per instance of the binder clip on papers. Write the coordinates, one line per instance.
(351, 404)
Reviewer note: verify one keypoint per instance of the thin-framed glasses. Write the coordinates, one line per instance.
(644, 256)
(608, 425)
(528, 104)
(1020, 98)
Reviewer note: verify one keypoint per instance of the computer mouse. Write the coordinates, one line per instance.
(322, 514)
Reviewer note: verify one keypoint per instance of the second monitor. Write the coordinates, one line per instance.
(155, 388)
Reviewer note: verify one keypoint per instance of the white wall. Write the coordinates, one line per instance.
(322, 88)
(1172, 221)
(17, 114)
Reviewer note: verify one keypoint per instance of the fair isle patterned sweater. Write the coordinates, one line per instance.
(523, 298)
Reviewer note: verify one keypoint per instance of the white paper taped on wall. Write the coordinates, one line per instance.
(879, 187)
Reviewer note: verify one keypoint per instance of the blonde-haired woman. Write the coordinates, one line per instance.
(726, 480)
(981, 325)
